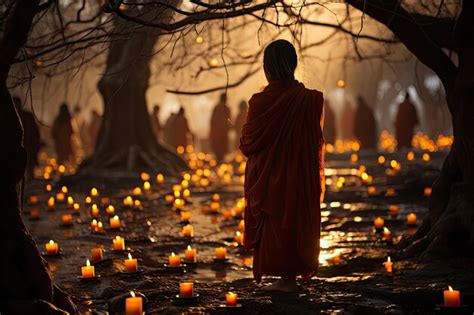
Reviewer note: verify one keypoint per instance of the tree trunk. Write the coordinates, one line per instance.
(25, 279)
(126, 141)
(449, 227)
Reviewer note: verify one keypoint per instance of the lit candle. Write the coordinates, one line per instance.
(70, 201)
(221, 253)
(100, 227)
(336, 259)
(94, 225)
(128, 201)
(388, 265)
(88, 200)
(33, 199)
(227, 214)
(34, 213)
(52, 248)
(66, 218)
(371, 190)
(393, 209)
(137, 203)
(215, 206)
(110, 210)
(188, 230)
(169, 198)
(146, 186)
(51, 202)
(239, 237)
(144, 176)
(114, 222)
(231, 299)
(133, 305)
(427, 191)
(60, 196)
(64, 189)
(174, 260)
(97, 254)
(131, 263)
(94, 192)
(452, 297)
(190, 254)
(119, 243)
(186, 193)
(76, 207)
(378, 222)
(178, 203)
(88, 271)
(216, 197)
(186, 289)
(411, 219)
(185, 215)
(137, 191)
(160, 178)
(387, 235)
(94, 210)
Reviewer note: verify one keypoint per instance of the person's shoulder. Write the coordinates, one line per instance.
(257, 96)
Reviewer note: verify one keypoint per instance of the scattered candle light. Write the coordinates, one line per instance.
(131, 264)
(190, 254)
(119, 243)
(52, 248)
(221, 253)
(452, 298)
(174, 260)
(97, 254)
(133, 304)
(231, 299)
(186, 289)
(188, 231)
(388, 265)
(411, 219)
(115, 222)
(378, 223)
(88, 271)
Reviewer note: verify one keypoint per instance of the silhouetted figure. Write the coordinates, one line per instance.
(220, 127)
(95, 124)
(240, 121)
(405, 123)
(346, 122)
(365, 128)
(329, 130)
(283, 141)
(62, 135)
(31, 137)
(155, 122)
(177, 131)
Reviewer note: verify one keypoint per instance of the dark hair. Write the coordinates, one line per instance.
(280, 60)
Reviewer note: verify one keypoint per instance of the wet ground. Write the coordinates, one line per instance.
(351, 280)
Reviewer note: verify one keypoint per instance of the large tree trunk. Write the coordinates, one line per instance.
(449, 227)
(126, 141)
(25, 282)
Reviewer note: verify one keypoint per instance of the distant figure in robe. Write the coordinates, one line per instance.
(405, 123)
(31, 137)
(177, 130)
(283, 142)
(346, 122)
(329, 129)
(240, 121)
(62, 135)
(365, 128)
(220, 127)
(168, 129)
(95, 124)
(77, 128)
(155, 122)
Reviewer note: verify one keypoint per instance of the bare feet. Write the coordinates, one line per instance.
(282, 285)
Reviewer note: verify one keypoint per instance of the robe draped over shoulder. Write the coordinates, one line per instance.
(283, 142)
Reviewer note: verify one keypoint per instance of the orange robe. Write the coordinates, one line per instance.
(283, 142)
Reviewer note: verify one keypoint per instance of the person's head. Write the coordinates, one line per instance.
(280, 61)
(243, 105)
(360, 100)
(77, 110)
(156, 109)
(181, 111)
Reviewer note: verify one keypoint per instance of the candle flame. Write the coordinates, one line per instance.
(189, 247)
(450, 288)
(385, 230)
(388, 259)
(116, 217)
(88, 263)
(238, 233)
(129, 256)
(99, 224)
(172, 254)
(117, 237)
(51, 242)
(132, 294)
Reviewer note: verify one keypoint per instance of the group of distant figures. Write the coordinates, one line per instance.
(73, 136)
(362, 124)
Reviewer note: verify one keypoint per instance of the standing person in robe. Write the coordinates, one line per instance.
(178, 130)
(31, 137)
(220, 127)
(329, 129)
(365, 127)
(405, 123)
(240, 121)
(168, 129)
(62, 135)
(77, 127)
(284, 177)
(155, 122)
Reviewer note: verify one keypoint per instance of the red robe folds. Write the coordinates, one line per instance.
(283, 142)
